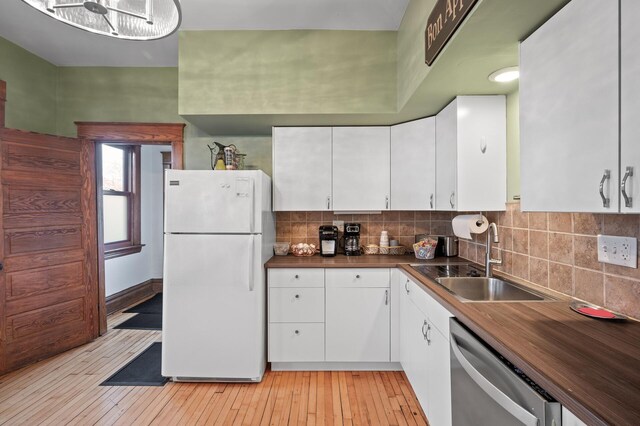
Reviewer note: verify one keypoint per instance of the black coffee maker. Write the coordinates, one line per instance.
(352, 239)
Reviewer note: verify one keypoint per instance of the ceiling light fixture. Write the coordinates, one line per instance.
(505, 75)
(125, 19)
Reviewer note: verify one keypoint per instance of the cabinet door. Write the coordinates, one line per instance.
(397, 287)
(439, 378)
(301, 168)
(630, 102)
(446, 152)
(361, 167)
(413, 165)
(482, 153)
(569, 110)
(417, 358)
(357, 324)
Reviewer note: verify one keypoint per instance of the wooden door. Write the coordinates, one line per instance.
(413, 165)
(48, 285)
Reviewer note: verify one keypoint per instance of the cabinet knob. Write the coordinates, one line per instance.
(297, 331)
(357, 276)
(297, 276)
(297, 296)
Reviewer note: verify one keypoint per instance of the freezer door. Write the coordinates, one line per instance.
(214, 307)
(199, 201)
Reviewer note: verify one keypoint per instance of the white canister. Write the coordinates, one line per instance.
(384, 239)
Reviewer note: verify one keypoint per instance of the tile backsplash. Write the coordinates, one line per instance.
(559, 251)
(302, 227)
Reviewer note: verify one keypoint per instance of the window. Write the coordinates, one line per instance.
(121, 199)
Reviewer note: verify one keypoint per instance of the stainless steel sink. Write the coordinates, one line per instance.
(481, 289)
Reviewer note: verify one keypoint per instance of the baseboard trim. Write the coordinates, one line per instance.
(133, 295)
(336, 366)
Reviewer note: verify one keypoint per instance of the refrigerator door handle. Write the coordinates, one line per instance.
(251, 260)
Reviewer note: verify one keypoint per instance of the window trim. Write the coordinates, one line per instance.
(133, 243)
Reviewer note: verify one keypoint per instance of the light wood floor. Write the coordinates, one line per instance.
(65, 390)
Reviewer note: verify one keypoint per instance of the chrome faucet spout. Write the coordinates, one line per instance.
(489, 262)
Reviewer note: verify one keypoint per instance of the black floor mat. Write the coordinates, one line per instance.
(143, 370)
(142, 322)
(151, 306)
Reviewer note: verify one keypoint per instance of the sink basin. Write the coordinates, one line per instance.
(481, 289)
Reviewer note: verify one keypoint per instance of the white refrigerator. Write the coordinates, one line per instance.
(218, 233)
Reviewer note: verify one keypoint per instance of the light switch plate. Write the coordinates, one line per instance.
(621, 251)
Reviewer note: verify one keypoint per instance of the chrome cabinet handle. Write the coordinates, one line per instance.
(428, 336)
(406, 286)
(386, 297)
(605, 177)
(453, 194)
(328, 203)
(424, 332)
(628, 201)
(386, 201)
(431, 201)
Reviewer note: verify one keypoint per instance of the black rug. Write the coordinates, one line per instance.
(143, 370)
(142, 322)
(151, 306)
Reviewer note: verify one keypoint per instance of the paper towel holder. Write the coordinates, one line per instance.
(480, 220)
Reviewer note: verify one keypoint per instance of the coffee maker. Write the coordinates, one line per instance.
(352, 239)
(328, 240)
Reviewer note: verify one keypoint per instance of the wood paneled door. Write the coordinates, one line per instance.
(48, 283)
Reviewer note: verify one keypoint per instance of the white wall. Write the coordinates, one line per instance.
(127, 271)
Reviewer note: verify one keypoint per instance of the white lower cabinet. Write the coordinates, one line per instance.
(357, 324)
(570, 419)
(424, 352)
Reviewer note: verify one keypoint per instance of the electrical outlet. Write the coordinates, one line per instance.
(339, 224)
(621, 251)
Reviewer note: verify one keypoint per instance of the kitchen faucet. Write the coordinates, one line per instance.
(489, 262)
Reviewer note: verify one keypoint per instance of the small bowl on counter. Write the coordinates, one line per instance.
(281, 249)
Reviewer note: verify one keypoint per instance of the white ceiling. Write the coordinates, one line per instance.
(64, 45)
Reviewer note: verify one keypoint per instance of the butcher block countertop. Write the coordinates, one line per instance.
(590, 366)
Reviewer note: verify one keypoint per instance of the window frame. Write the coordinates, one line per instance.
(132, 177)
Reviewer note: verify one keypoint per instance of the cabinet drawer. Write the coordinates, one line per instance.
(357, 277)
(296, 277)
(296, 305)
(296, 342)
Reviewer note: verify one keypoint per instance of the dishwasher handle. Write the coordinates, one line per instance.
(496, 394)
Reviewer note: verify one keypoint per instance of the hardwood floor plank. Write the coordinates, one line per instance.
(66, 390)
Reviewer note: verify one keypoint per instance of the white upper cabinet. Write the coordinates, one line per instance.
(302, 168)
(413, 165)
(361, 168)
(471, 154)
(569, 98)
(630, 105)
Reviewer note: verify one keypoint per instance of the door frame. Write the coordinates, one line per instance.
(131, 134)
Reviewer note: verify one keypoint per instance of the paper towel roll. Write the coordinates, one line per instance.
(467, 224)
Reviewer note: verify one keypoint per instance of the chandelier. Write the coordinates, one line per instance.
(125, 19)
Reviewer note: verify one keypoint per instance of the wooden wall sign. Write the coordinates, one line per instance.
(444, 20)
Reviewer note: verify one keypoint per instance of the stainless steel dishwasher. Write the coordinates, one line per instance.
(486, 389)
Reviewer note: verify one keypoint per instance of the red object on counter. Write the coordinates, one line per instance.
(595, 312)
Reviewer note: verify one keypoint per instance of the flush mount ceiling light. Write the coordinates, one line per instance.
(125, 19)
(505, 75)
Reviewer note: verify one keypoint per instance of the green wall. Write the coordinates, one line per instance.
(116, 94)
(31, 89)
(287, 72)
(412, 69)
